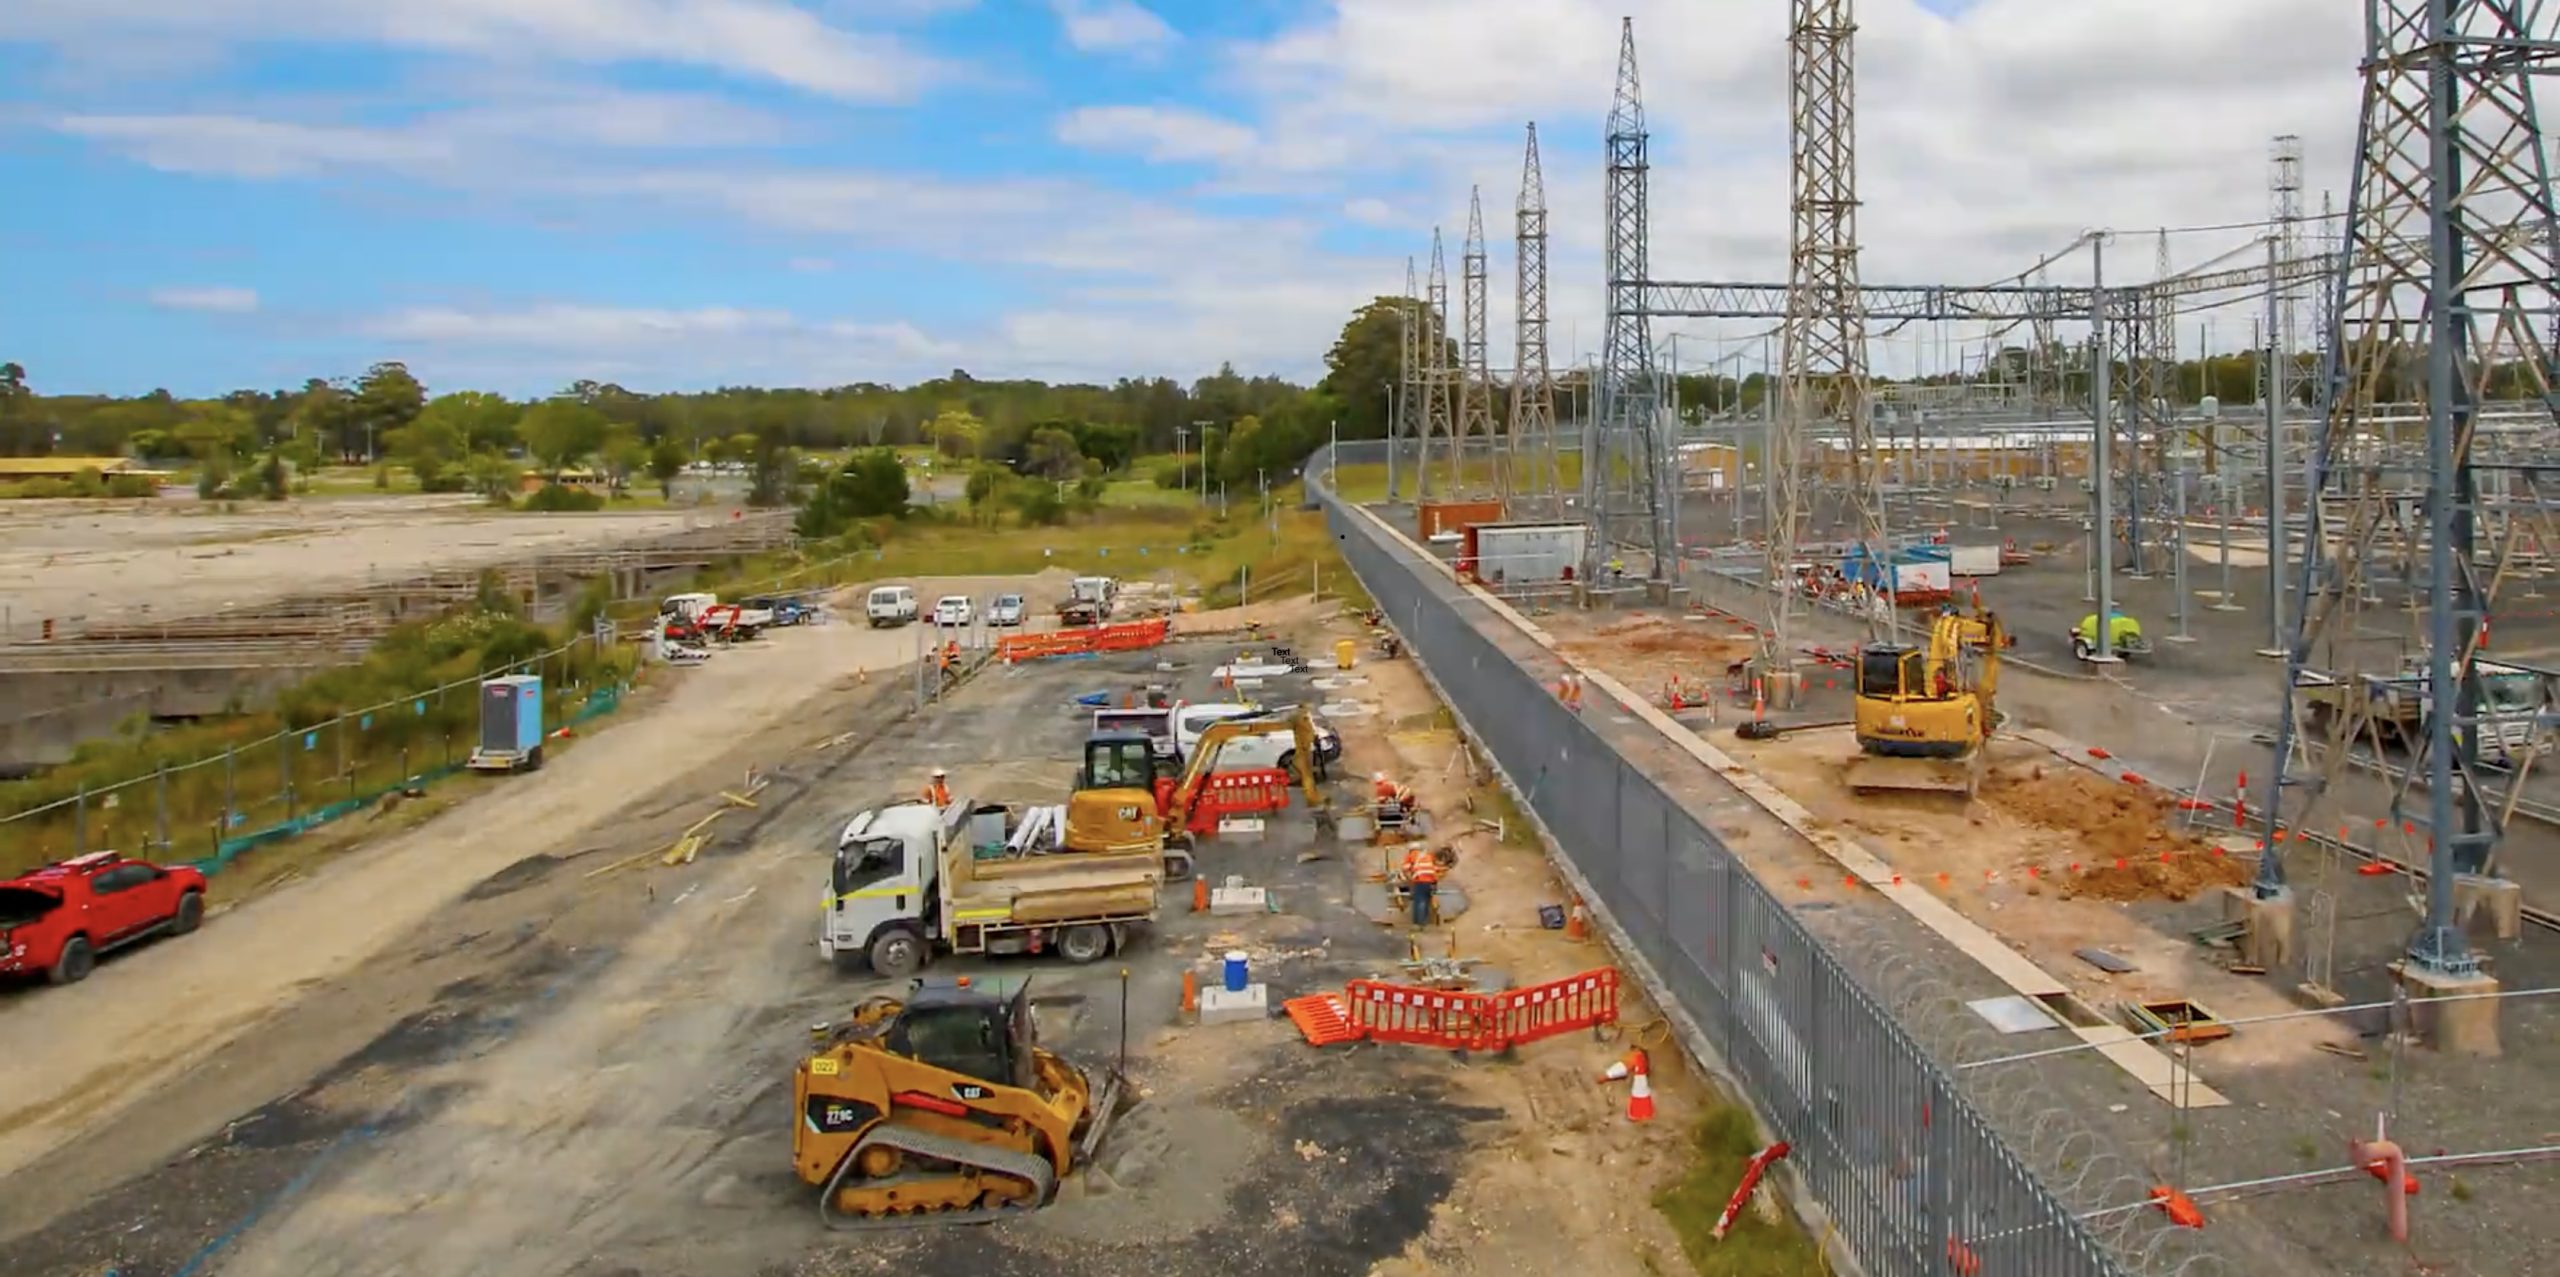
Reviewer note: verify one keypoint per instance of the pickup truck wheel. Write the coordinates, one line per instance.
(190, 914)
(1087, 943)
(74, 963)
(897, 954)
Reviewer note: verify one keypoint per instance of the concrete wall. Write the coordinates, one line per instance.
(43, 717)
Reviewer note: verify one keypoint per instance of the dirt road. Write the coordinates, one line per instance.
(104, 1043)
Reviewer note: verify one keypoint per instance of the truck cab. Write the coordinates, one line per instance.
(884, 875)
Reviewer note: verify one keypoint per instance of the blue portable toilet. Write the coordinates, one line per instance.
(510, 724)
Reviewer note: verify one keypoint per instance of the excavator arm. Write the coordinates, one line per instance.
(1301, 727)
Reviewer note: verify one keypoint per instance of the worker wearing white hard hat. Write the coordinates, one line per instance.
(936, 790)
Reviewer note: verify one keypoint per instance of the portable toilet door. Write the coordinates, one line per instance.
(511, 715)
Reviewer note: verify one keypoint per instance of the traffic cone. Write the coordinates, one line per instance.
(1199, 895)
(1577, 924)
(1629, 1065)
(1639, 1092)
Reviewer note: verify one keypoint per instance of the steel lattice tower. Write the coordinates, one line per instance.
(1533, 389)
(1823, 346)
(1436, 422)
(1622, 488)
(1475, 387)
(1408, 370)
(2446, 281)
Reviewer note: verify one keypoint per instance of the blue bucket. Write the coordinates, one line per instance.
(1235, 971)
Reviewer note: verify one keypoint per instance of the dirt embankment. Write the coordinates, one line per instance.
(1646, 652)
(2127, 847)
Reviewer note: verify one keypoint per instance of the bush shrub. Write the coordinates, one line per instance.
(560, 498)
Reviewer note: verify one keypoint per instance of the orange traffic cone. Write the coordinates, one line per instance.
(1190, 992)
(1629, 1065)
(1577, 924)
(1639, 1091)
(1199, 895)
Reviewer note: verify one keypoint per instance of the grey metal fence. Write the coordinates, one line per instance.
(1912, 1175)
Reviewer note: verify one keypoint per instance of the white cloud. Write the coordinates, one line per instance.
(1099, 26)
(558, 341)
(769, 40)
(213, 300)
(1161, 134)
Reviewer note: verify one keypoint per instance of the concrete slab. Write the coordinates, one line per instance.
(2466, 1026)
(1236, 900)
(1219, 1006)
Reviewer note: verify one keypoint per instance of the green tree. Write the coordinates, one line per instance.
(1052, 453)
(560, 433)
(773, 471)
(955, 433)
(387, 399)
(273, 478)
(1362, 369)
(483, 420)
(495, 476)
(216, 431)
(624, 456)
(433, 447)
(666, 461)
(982, 485)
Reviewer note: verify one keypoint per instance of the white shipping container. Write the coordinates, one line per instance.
(1976, 560)
(1921, 578)
(1527, 552)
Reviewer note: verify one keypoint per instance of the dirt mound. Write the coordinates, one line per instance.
(2183, 876)
(2125, 848)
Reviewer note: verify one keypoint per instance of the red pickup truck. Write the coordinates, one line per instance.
(58, 919)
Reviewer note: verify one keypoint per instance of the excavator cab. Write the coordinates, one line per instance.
(1115, 806)
(1891, 671)
(956, 1027)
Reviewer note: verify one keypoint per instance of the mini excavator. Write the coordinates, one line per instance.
(1924, 716)
(941, 1108)
(1126, 796)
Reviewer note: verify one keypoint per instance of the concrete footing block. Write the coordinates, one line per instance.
(2499, 898)
(2268, 940)
(1235, 900)
(2465, 1027)
(1220, 1006)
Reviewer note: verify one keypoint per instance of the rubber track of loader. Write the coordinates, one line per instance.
(1032, 1170)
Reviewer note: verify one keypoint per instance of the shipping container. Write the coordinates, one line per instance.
(1512, 555)
(1976, 560)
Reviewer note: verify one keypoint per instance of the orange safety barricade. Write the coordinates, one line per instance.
(1481, 1021)
(1237, 793)
(1558, 1006)
(1422, 1017)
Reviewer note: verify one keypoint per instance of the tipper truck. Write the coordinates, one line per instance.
(911, 880)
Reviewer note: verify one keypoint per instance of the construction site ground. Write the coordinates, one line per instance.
(133, 561)
(513, 1041)
(2059, 855)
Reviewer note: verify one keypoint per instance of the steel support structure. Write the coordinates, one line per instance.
(1533, 389)
(2446, 285)
(1408, 401)
(1439, 425)
(1624, 493)
(1822, 346)
(1475, 385)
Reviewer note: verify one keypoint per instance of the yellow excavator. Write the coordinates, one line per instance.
(1126, 798)
(941, 1108)
(1924, 715)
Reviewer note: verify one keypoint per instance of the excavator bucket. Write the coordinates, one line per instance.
(1110, 1098)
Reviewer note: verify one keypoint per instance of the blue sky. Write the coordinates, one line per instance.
(679, 193)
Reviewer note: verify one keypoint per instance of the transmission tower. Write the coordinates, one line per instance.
(1823, 346)
(1436, 423)
(1408, 402)
(1622, 487)
(2444, 291)
(1533, 390)
(1475, 389)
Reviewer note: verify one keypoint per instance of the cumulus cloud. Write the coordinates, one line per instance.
(1100, 26)
(212, 300)
(766, 40)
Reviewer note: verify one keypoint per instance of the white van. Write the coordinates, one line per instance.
(890, 605)
(1248, 753)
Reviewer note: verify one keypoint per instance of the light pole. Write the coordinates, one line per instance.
(1203, 428)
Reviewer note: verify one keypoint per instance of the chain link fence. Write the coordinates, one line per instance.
(210, 808)
(1913, 1176)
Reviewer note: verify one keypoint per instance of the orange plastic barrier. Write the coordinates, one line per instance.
(1129, 636)
(1237, 793)
(1481, 1021)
